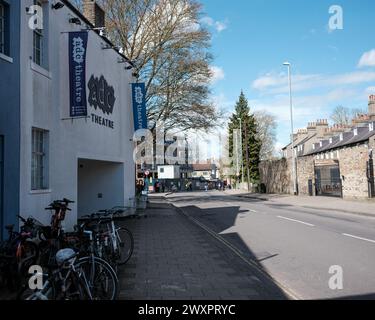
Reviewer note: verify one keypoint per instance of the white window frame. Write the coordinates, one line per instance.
(38, 52)
(39, 35)
(39, 159)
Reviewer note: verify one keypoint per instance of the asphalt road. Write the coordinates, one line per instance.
(294, 245)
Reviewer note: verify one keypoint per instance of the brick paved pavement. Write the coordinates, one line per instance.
(174, 259)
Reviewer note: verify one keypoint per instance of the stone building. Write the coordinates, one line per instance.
(330, 161)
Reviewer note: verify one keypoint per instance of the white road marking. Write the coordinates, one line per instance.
(252, 211)
(358, 238)
(305, 223)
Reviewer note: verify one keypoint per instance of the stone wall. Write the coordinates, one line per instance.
(305, 172)
(353, 165)
(275, 175)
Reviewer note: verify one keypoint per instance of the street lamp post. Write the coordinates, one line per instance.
(294, 178)
(237, 158)
(240, 119)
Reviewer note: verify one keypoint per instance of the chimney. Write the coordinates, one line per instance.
(360, 120)
(94, 13)
(301, 134)
(321, 127)
(311, 128)
(339, 128)
(328, 133)
(371, 107)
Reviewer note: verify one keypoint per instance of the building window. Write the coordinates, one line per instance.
(39, 161)
(39, 37)
(161, 170)
(38, 42)
(4, 30)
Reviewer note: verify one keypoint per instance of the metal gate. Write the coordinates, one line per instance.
(328, 181)
(370, 176)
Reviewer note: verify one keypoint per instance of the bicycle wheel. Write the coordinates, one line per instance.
(47, 293)
(125, 248)
(28, 256)
(100, 278)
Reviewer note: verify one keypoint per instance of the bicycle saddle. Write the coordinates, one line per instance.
(64, 255)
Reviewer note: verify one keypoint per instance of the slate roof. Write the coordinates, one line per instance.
(349, 138)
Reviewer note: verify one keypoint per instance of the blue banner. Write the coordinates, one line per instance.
(139, 106)
(77, 73)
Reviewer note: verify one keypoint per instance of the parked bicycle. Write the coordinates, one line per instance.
(76, 265)
(74, 278)
(18, 253)
(117, 243)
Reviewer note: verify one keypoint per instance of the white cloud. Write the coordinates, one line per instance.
(223, 103)
(218, 25)
(367, 59)
(217, 74)
(278, 84)
(305, 108)
(208, 21)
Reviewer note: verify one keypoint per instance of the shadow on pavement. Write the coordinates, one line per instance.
(220, 220)
(175, 259)
(369, 296)
(202, 199)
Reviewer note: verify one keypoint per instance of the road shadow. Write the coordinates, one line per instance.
(360, 297)
(221, 220)
(199, 198)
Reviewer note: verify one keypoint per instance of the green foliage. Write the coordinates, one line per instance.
(251, 144)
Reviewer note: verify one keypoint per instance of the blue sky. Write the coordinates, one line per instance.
(252, 38)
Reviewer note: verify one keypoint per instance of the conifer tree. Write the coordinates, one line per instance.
(251, 145)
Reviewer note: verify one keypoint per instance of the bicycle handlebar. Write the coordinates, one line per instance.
(21, 218)
(58, 204)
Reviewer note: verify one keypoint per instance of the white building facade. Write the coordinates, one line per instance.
(86, 159)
